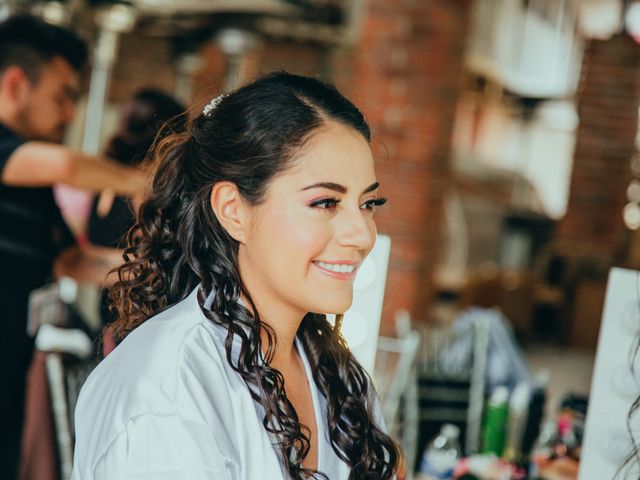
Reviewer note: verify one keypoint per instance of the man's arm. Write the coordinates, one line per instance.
(38, 164)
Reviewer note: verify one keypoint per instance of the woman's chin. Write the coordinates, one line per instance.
(335, 308)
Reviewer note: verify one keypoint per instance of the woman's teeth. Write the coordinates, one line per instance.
(336, 267)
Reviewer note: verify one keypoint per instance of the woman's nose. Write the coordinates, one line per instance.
(356, 230)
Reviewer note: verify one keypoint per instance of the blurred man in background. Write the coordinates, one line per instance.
(39, 85)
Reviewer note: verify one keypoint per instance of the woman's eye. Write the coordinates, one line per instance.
(373, 203)
(325, 203)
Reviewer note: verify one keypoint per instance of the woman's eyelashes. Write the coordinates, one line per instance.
(326, 203)
(373, 203)
(331, 203)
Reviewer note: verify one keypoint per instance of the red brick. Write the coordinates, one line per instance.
(605, 142)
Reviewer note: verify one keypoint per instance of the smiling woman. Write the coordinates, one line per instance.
(258, 219)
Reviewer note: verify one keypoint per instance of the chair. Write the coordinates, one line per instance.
(453, 391)
(68, 355)
(395, 377)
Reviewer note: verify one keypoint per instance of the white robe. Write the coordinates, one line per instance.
(166, 405)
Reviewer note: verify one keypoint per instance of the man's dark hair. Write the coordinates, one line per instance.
(31, 43)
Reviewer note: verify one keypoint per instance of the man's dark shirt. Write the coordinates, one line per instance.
(30, 221)
(110, 230)
(32, 233)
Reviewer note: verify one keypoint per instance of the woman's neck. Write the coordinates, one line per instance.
(283, 348)
(284, 323)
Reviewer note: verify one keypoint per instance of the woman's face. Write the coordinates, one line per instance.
(314, 228)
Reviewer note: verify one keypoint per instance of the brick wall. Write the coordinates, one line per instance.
(608, 109)
(300, 58)
(131, 74)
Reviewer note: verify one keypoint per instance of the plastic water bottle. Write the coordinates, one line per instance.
(441, 455)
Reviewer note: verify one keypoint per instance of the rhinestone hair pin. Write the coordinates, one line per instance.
(211, 106)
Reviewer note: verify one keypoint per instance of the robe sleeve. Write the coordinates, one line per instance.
(154, 447)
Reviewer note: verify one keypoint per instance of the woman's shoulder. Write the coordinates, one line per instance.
(159, 369)
(168, 384)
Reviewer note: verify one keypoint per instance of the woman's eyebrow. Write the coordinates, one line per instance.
(339, 188)
(329, 185)
(371, 187)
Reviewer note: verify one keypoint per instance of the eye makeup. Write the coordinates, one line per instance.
(375, 202)
(324, 202)
(332, 202)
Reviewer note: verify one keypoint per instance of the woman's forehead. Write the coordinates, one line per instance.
(335, 154)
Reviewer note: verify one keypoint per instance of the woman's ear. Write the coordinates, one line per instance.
(230, 209)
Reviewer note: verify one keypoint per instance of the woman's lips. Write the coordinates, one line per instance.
(343, 270)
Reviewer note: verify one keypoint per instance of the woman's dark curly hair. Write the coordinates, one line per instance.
(178, 244)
